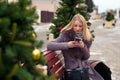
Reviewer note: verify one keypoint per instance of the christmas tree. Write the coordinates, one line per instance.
(110, 16)
(90, 5)
(19, 50)
(63, 15)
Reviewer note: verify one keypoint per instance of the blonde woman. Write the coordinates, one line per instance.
(75, 41)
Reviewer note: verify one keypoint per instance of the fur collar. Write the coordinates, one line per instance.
(70, 34)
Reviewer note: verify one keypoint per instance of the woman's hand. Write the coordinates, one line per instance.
(72, 44)
(79, 44)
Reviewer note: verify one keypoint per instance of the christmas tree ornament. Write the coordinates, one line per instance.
(80, 5)
(52, 26)
(33, 35)
(60, 28)
(36, 54)
(88, 23)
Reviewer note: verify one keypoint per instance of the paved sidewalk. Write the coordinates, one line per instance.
(106, 46)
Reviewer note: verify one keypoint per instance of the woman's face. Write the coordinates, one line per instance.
(77, 26)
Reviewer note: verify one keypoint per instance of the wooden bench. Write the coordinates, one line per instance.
(55, 63)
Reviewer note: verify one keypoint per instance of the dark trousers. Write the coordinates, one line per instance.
(103, 70)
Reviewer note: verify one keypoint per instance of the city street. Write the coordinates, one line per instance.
(105, 46)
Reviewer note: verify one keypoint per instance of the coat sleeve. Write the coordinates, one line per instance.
(57, 44)
(86, 51)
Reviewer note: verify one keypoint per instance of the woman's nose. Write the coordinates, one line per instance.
(78, 28)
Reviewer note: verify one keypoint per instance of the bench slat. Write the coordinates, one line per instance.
(56, 67)
(61, 70)
(49, 55)
(55, 63)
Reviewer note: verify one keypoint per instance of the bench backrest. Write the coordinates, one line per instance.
(55, 63)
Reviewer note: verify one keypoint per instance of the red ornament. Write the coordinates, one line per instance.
(89, 23)
(60, 28)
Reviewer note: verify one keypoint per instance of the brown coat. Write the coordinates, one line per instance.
(73, 57)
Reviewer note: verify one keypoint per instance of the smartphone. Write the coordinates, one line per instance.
(78, 39)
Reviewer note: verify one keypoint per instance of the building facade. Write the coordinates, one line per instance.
(46, 5)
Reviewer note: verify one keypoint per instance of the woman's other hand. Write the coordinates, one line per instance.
(71, 44)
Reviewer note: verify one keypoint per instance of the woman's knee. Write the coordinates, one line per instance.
(93, 64)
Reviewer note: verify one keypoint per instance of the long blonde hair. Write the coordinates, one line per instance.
(85, 33)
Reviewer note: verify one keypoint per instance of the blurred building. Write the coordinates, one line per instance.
(95, 14)
(46, 5)
(45, 9)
